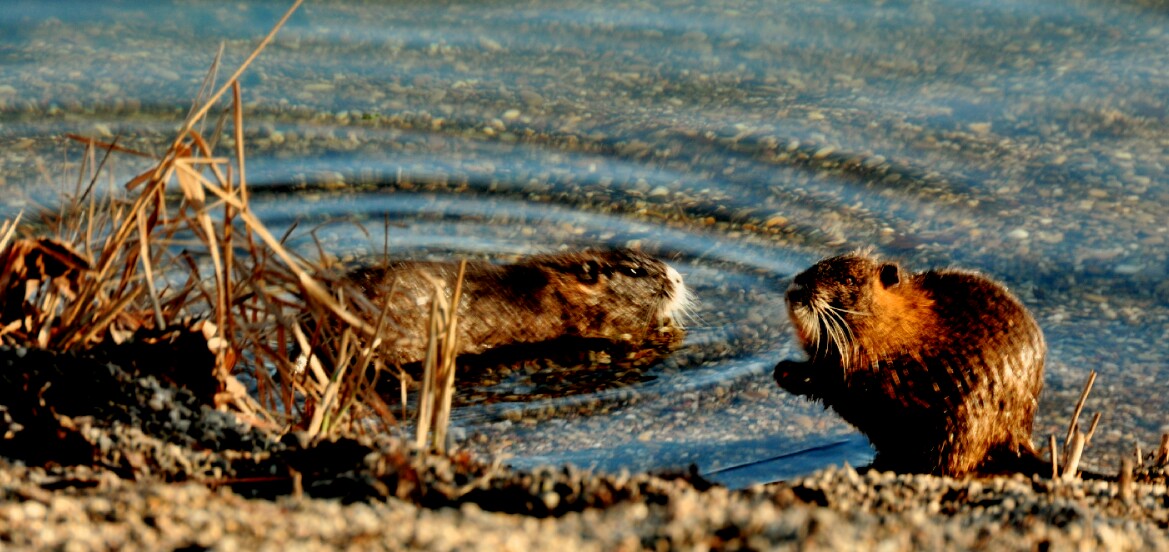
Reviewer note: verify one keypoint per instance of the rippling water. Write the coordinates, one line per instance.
(739, 140)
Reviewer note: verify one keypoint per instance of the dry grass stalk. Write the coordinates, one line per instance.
(1124, 484)
(438, 378)
(1075, 452)
(447, 375)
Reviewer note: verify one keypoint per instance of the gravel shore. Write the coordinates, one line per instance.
(831, 510)
(168, 472)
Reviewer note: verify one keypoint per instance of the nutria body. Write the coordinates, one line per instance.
(621, 296)
(941, 369)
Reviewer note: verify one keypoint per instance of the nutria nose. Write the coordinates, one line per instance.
(797, 293)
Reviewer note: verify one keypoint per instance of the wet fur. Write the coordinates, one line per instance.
(620, 296)
(940, 369)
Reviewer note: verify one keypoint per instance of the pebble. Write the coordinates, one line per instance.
(823, 152)
(979, 128)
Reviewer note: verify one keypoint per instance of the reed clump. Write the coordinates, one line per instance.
(177, 252)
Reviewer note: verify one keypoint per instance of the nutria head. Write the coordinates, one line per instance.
(609, 293)
(856, 308)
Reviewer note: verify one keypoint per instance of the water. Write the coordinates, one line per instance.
(739, 140)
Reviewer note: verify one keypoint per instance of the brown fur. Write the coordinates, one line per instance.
(620, 296)
(941, 369)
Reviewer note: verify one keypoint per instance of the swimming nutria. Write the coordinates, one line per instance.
(621, 296)
(941, 369)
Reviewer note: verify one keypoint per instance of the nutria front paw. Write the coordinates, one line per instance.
(795, 377)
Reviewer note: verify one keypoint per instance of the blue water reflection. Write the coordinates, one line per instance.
(741, 140)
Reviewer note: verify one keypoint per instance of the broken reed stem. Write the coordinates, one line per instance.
(1054, 457)
(1124, 483)
(1162, 456)
(1080, 406)
(402, 379)
(1073, 427)
(1092, 429)
(1074, 455)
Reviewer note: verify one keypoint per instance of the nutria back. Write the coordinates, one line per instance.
(941, 369)
(617, 295)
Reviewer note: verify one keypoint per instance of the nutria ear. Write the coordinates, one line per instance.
(890, 275)
(588, 272)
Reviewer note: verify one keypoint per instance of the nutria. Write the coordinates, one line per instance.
(940, 369)
(621, 296)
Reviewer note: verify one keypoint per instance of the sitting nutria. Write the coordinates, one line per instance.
(941, 369)
(620, 296)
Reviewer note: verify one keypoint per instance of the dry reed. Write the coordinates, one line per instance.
(114, 267)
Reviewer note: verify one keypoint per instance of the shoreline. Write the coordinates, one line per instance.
(172, 472)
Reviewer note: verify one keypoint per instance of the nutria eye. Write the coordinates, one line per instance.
(632, 271)
(849, 281)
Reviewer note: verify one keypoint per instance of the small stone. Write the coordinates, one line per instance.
(319, 87)
(1018, 234)
(1051, 237)
(531, 98)
(777, 220)
(979, 128)
(489, 44)
(823, 152)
